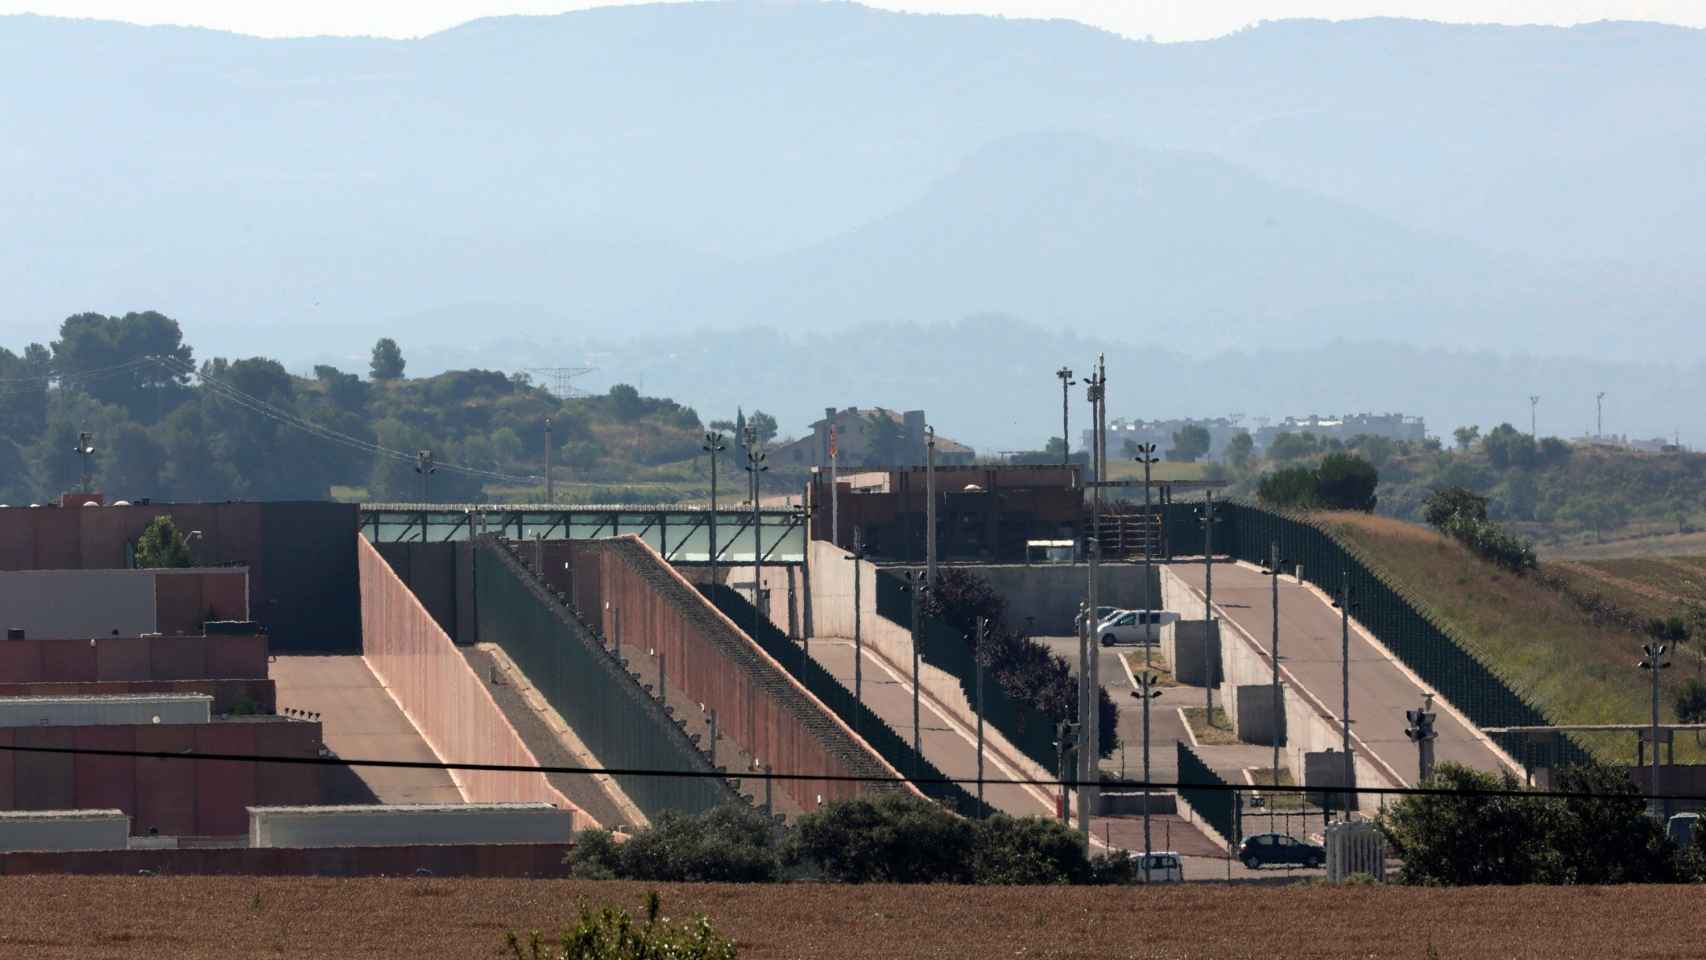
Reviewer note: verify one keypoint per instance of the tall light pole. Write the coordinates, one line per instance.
(1599, 415)
(834, 488)
(930, 503)
(1655, 662)
(550, 481)
(1093, 716)
(1146, 456)
(1533, 402)
(1087, 702)
(1344, 604)
(1066, 381)
(713, 445)
(1147, 690)
(1273, 572)
(977, 656)
(1211, 663)
(424, 467)
(755, 465)
(856, 556)
(85, 447)
(916, 585)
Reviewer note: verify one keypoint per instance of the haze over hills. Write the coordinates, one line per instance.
(625, 178)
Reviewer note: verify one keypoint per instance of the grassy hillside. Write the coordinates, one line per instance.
(1573, 666)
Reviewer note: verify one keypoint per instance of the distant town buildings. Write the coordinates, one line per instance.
(870, 437)
(1221, 430)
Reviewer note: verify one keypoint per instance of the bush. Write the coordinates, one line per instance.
(611, 934)
(1448, 503)
(1477, 839)
(1345, 481)
(891, 838)
(730, 844)
(1490, 542)
(1690, 701)
(595, 855)
(1028, 851)
(1290, 487)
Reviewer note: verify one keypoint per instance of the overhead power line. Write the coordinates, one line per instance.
(832, 777)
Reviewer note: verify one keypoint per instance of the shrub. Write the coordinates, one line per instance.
(731, 844)
(1290, 487)
(1345, 481)
(890, 838)
(611, 934)
(1114, 869)
(1028, 850)
(1490, 542)
(595, 855)
(1690, 701)
(1447, 503)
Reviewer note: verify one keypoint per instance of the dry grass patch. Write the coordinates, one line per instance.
(1211, 732)
(1530, 634)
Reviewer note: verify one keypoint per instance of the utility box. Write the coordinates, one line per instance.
(54, 830)
(105, 711)
(391, 825)
(1355, 847)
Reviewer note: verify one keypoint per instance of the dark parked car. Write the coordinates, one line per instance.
(1263, 849)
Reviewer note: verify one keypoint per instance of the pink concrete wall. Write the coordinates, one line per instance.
(45, 659)
(179, 797)
(698, 666)
(448, 860)
(446, 701)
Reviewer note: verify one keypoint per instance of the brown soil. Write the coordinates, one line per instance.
(191, 918)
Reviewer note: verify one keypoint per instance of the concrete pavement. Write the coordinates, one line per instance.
(1381, 689)
(358, 719)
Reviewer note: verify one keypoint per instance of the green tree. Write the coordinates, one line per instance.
(727, 845)
(1291, 446)
(1449, 503)
(1028, 851)
(1345, 481)
(1507, 447)
(1055, 447)
(1690, 701)
(1466, 437)
(112, 359)
(1190, 442)
(387, 362)
(1473, 839)
(1289, 487)
(161, 545)
(626, 402)
(23, 392)
(134, 465)
(763, 424)
(1239, 449)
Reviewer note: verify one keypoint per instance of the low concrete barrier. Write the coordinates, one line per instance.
(166, 708)
(382, 825)
(64, 829)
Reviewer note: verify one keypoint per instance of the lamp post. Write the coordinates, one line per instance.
(1655, 662)
(1273, 571)
(1599, 416)
(1344, 603)
(856, 556)
(977, 655)
(1533, 402)
(930, 503)
(1146, 456)
(85, 447)
(1211, 662)
(755, 465)
(1146, 691)
(713, 445)
(424, 467)
(1066, 381)
(916, 585)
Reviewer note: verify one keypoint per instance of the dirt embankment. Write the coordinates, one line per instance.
(194, 918)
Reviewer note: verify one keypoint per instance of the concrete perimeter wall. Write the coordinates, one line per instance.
(484, 860)
(181, 798)
(439, 692)
(1308, 727)
(64, 830)
(713, 661)
(832, 614)
(380, 825)
(102, 658)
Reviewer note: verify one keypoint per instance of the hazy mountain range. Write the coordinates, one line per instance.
(805, 202)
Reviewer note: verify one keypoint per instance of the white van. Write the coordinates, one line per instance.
(1133, 626)
(1165, 866)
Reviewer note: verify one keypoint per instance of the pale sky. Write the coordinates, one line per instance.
(1162, 19)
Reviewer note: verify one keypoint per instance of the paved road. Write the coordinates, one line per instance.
(1381, 690)
(359, 719)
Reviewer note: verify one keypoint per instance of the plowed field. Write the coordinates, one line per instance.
(191, 918)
